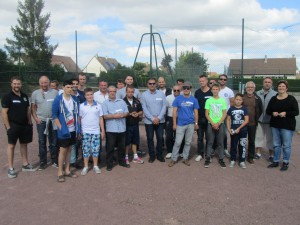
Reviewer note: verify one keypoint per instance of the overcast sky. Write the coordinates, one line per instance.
(213, 27)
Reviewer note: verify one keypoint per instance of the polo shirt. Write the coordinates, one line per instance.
(43, 101)
(113, 107)
(17, 107)
(90, 117)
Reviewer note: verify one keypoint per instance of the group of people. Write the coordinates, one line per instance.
(75, 119)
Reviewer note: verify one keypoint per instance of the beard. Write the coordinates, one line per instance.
(16, 89)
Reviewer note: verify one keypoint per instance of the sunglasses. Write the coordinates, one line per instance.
(223, 79)
(176, 90)
(151, 83)
(186, 88)
(211, 82)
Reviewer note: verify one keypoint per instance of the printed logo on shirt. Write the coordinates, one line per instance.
(119, 110)
(16, 101)
(25, 99)
(158, 99)
(187, 104)
(238, 115)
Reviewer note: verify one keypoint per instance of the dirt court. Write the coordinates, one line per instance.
(152, 193)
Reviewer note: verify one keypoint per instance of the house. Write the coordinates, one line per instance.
(271, 67)
(65, 62)
(100, 64)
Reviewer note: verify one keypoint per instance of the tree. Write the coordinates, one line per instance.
(30, 37)
(3, 60)
(166, 61)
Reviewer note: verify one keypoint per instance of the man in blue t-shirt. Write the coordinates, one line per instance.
(185, 121)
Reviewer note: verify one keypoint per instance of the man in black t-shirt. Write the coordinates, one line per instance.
(17, 120)
(202, 94)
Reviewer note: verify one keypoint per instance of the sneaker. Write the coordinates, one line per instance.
(172, 163)
(232, 163)
(11, 173)
(243, 165)
(84, 171)
(257, 156)
(198, 158)
(207, 162)
(55, 165)
(273, 165)
(169, 155)
(42, 166)
(97, 170)
(141, 153)
(181, 155)
(227, 154)
(186, 162)
(284, 166)
(271, 159)
(28, 168)
(138, 160)
(222, 164)
(127, 161)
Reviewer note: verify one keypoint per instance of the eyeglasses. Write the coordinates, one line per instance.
(186, 88)
(151, 83)
(176, 90)
(112, 91)
(223, 79)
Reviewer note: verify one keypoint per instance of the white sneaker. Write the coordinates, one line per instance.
(84, 171)
(97, 170)
(198, 158)
(227, 154)
(232, 163)
(168, 156)
(243, 165)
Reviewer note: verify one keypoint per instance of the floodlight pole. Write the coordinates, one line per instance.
(242, 63)
(76, 51)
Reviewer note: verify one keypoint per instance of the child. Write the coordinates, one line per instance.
(237, 120)
(215, 113)
(91, 116)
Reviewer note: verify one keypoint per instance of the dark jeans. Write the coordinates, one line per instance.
(238, 141)
(112, 140)
(202, 148)
(159, 130)
(52, 140)
(251, 141)
(171, 135)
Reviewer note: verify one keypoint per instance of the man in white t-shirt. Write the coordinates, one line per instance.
(228, 95)
(101, 95)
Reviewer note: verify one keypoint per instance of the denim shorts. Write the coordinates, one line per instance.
(132, 135)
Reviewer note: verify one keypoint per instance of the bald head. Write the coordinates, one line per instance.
(44, 83)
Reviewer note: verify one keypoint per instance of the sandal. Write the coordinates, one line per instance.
(61, 178)
(71, 174)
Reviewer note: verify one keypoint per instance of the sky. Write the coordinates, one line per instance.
(113, 28)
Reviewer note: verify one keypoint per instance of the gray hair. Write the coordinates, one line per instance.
(250, 82)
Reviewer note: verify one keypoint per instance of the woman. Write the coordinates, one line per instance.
(283, 108)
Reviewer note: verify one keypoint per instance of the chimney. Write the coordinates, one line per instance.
(266, 59)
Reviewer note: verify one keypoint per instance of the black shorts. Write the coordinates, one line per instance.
(23, 132)
(64, 143)
(132, 135)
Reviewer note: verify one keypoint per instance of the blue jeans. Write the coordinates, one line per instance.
(282, 138)
(52, 140)
(159, 131)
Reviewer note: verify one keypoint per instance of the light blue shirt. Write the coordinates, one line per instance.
(122, 93)
(113, 107)
(154, 104)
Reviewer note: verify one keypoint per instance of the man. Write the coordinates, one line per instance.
(170, 133)
(180, 83)
(254, 107)
(115, 112)
(162, 86)
(132, 124)
(79, 94)
(17, 121)
(120, 84)
(212, 82)
(185, 117)
(101, 95)
(228, 95)
(55, 85)
(65, 113)
(263, 128)
(122, 92)
(82, 81)
(154, 107)
(202, 94)
(41, 110)
(215, 113)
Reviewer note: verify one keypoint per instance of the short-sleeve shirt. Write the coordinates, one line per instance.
(185, 109)
(17, 107)
(122, 93)
(113, 107)
(90, 117)
(202, 97)
(227, 94)
(170, 99)
(99, 97)
(215, 108)
(237, 116)
(43, 101)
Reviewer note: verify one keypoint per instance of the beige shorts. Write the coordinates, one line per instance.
(263, 137)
